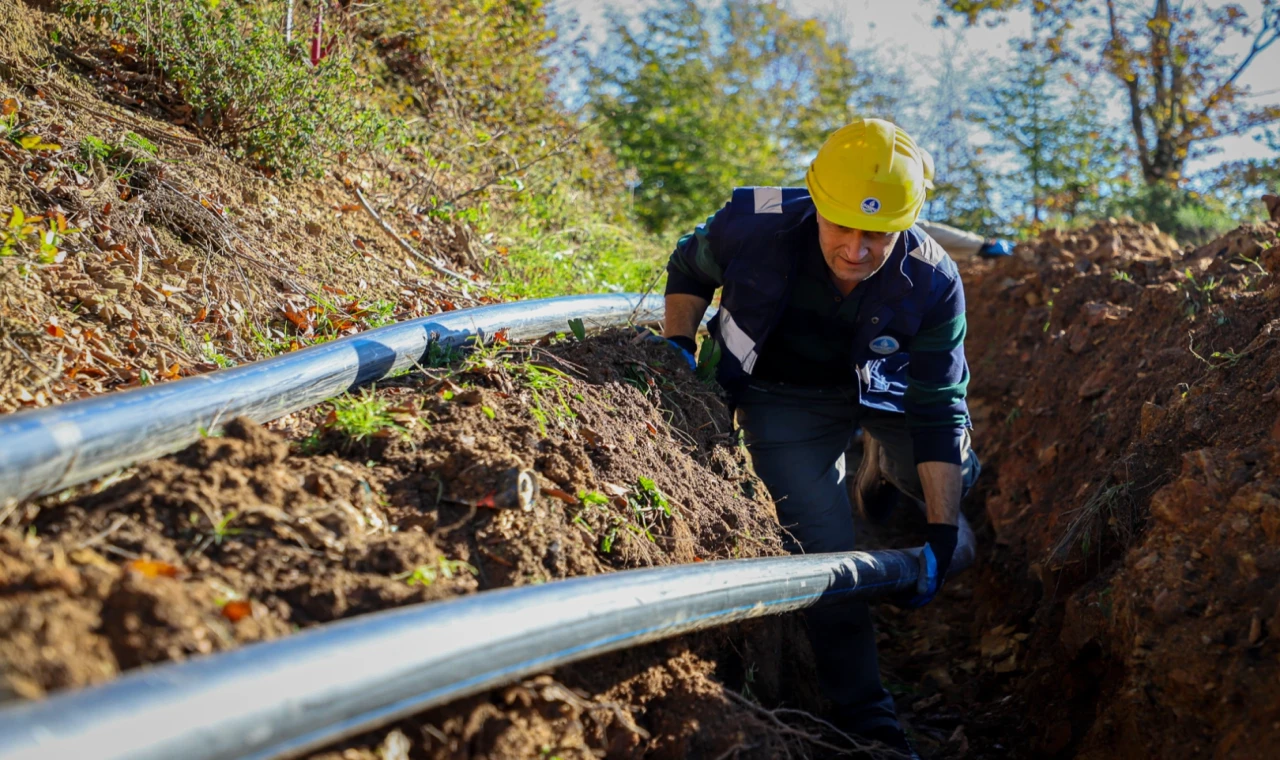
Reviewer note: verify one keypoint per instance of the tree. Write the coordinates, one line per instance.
(1054, 128)
(944, 121)
(1181, 89)
(699, 99)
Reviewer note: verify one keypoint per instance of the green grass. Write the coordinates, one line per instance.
(557, 246)
(543, 383)
(362, 416)
(1198, 293)
(425, 575)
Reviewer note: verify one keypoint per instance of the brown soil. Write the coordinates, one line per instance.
(183, 261)
(1126, 400)
(1125, 604)
(244, 537)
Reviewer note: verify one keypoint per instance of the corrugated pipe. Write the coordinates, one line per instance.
(282, 698)
(46, 450)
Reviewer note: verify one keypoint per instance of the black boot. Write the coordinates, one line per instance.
(887, 743)
(873, 496)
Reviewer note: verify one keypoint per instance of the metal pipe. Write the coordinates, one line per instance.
(282, 698)
(46, 450)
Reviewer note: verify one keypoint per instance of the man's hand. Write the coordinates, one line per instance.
(943, 485)
(935, 560)
(688, 348)
(995, 247)
(683, 317)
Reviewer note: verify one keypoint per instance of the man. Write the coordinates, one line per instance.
(837, 313)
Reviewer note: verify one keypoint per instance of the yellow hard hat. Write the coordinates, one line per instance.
(869, 175)
(927, 158)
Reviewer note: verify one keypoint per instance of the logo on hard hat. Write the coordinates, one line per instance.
(884, 345)
(870, 206)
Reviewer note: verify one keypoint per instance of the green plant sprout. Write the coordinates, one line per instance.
(425, 575)
(362, 416)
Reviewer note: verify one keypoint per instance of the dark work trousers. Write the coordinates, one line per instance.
(797, 438)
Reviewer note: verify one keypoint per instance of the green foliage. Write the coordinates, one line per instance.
(1240, 185)
(498, 150)
(35, 238)
(247, 89)
(648, 498)
(1198, 293)
(593, 498)
(578, 328)
(544, 382)
(646, 509)
(1192, 219)
(1180, 85)
(222, 529)
(363, 416)
(92, 148)
(703, 98)
(1067, 156)
(559, 243)
(473, 71)
(212, 354)
(425, 575)
(708, 360)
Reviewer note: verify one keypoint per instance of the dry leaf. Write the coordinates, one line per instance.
(53, 329)
(153, 568)
(8, 106)
(237, 610)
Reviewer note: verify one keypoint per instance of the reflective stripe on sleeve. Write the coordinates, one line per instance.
(768, 200)
(737, 341)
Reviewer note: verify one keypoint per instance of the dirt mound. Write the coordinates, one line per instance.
(1126, 400)
(167, 258)
(245, 536)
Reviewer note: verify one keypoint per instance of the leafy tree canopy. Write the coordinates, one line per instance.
(1182, 87)
(699, 98)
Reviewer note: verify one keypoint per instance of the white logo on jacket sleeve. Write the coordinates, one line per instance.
(884, 345)
(871, 206)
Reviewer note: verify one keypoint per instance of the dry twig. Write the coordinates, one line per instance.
(402, 242)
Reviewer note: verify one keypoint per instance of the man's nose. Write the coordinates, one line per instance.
(855, 240)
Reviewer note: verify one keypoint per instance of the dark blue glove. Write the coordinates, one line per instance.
(688, 347)
(995, 247)
(935, 560)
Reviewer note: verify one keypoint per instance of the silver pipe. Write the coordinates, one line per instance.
(280, 699)
(46, 450)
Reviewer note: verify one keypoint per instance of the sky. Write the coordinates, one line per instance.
(908, 25)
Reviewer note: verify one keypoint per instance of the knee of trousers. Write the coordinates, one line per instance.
(897, 464)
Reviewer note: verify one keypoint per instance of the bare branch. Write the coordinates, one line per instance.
(1266, 36)
(402, 243)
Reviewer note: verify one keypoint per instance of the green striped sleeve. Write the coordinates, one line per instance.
(942, 337)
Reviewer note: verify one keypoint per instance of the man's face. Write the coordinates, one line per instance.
(853, 255)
